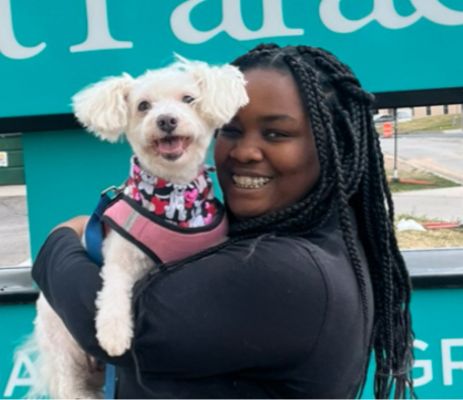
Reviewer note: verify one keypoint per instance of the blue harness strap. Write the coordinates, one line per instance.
(94, 231)
(94, 235)
(109, 381)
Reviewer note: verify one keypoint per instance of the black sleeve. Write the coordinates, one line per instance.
(70, 281)
(255, 304)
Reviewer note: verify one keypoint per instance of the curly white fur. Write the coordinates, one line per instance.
(109, 109)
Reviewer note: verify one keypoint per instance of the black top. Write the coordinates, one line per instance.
(266, 317)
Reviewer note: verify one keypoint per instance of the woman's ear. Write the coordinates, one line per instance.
(223, 91)
(103, 108)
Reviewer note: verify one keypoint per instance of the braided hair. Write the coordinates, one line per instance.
(352, 176)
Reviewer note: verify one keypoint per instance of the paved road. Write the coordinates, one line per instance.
(442, 204)
(440, 153)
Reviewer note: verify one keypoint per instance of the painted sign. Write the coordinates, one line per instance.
(438, 370)
(51, 49)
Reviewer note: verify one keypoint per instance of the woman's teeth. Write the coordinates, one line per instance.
(248, 182)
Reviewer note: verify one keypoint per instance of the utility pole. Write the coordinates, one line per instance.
(395, 174)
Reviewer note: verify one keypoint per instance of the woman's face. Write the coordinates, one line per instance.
(266, 157)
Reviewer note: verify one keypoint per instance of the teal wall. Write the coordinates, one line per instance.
(16, 325)
(65, 173)
(436, 318)
(400, 45)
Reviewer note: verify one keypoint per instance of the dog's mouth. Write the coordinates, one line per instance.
(172, 147)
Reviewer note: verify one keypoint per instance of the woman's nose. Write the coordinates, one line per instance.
(246, 150)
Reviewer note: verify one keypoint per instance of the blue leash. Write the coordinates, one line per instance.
(94, 235)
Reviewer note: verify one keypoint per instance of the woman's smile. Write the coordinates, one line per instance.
(249, 182)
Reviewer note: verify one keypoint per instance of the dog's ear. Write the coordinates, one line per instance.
(223, 91)
(103, 108)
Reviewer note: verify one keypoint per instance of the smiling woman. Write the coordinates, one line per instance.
(309, 281)
(266, 157)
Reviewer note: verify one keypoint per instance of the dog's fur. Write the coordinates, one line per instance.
(109, 109)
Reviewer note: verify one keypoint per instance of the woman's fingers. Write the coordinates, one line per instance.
(77, 224)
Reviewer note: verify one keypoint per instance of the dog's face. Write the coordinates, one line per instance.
(166, 128)
(168, 115)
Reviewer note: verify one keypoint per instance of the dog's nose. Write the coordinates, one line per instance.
(167, 123)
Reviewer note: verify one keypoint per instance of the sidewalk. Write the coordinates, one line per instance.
(13, 191)
(443, 204)
(14, 227)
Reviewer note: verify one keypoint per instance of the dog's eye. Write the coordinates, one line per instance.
(188, 99)
(144, 105)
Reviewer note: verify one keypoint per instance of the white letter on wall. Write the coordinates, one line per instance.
(98, 35)
(15, 379)
(447, 364)
(438, 13)
(383, 12)
(8, 43)
(426, 365)
(232, 22)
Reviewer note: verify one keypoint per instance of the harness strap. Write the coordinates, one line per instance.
(110, 381)
(94, 235)
(94, 231)
(160, 240)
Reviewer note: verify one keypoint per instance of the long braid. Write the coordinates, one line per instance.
(351, 175)
(342, 203)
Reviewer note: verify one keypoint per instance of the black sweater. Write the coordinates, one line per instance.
(266, 317)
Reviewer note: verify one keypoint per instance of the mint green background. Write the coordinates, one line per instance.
(436, 315)
(421, 56)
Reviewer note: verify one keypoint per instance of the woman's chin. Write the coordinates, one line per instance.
(241, 210)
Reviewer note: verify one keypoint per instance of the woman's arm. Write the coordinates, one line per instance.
(258, 305)
(70, 281)
(254, 304)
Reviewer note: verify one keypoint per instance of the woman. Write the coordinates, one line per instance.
(311, 279)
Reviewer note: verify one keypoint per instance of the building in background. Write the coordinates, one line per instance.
(419, 112)
(425, 111)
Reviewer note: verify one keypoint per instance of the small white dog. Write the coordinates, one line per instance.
(169, 117)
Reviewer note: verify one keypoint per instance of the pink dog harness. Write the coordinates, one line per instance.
(167, 221)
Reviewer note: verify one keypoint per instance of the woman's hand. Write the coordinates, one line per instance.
(76, 223)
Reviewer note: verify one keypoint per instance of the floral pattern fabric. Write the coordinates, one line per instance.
(187, 206)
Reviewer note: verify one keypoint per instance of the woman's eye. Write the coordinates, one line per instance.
(188, 99)
(144, 105)
(274, 135)
(229, 132)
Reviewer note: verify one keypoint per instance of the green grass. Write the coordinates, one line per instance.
(434, 123)
(431, 123)
(410, 178)
(434, 182)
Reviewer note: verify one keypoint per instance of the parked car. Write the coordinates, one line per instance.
(380, 118)
(403, 115)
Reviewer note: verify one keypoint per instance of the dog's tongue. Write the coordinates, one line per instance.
(170, 145)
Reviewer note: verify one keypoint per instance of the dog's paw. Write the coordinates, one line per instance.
(114, 334)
